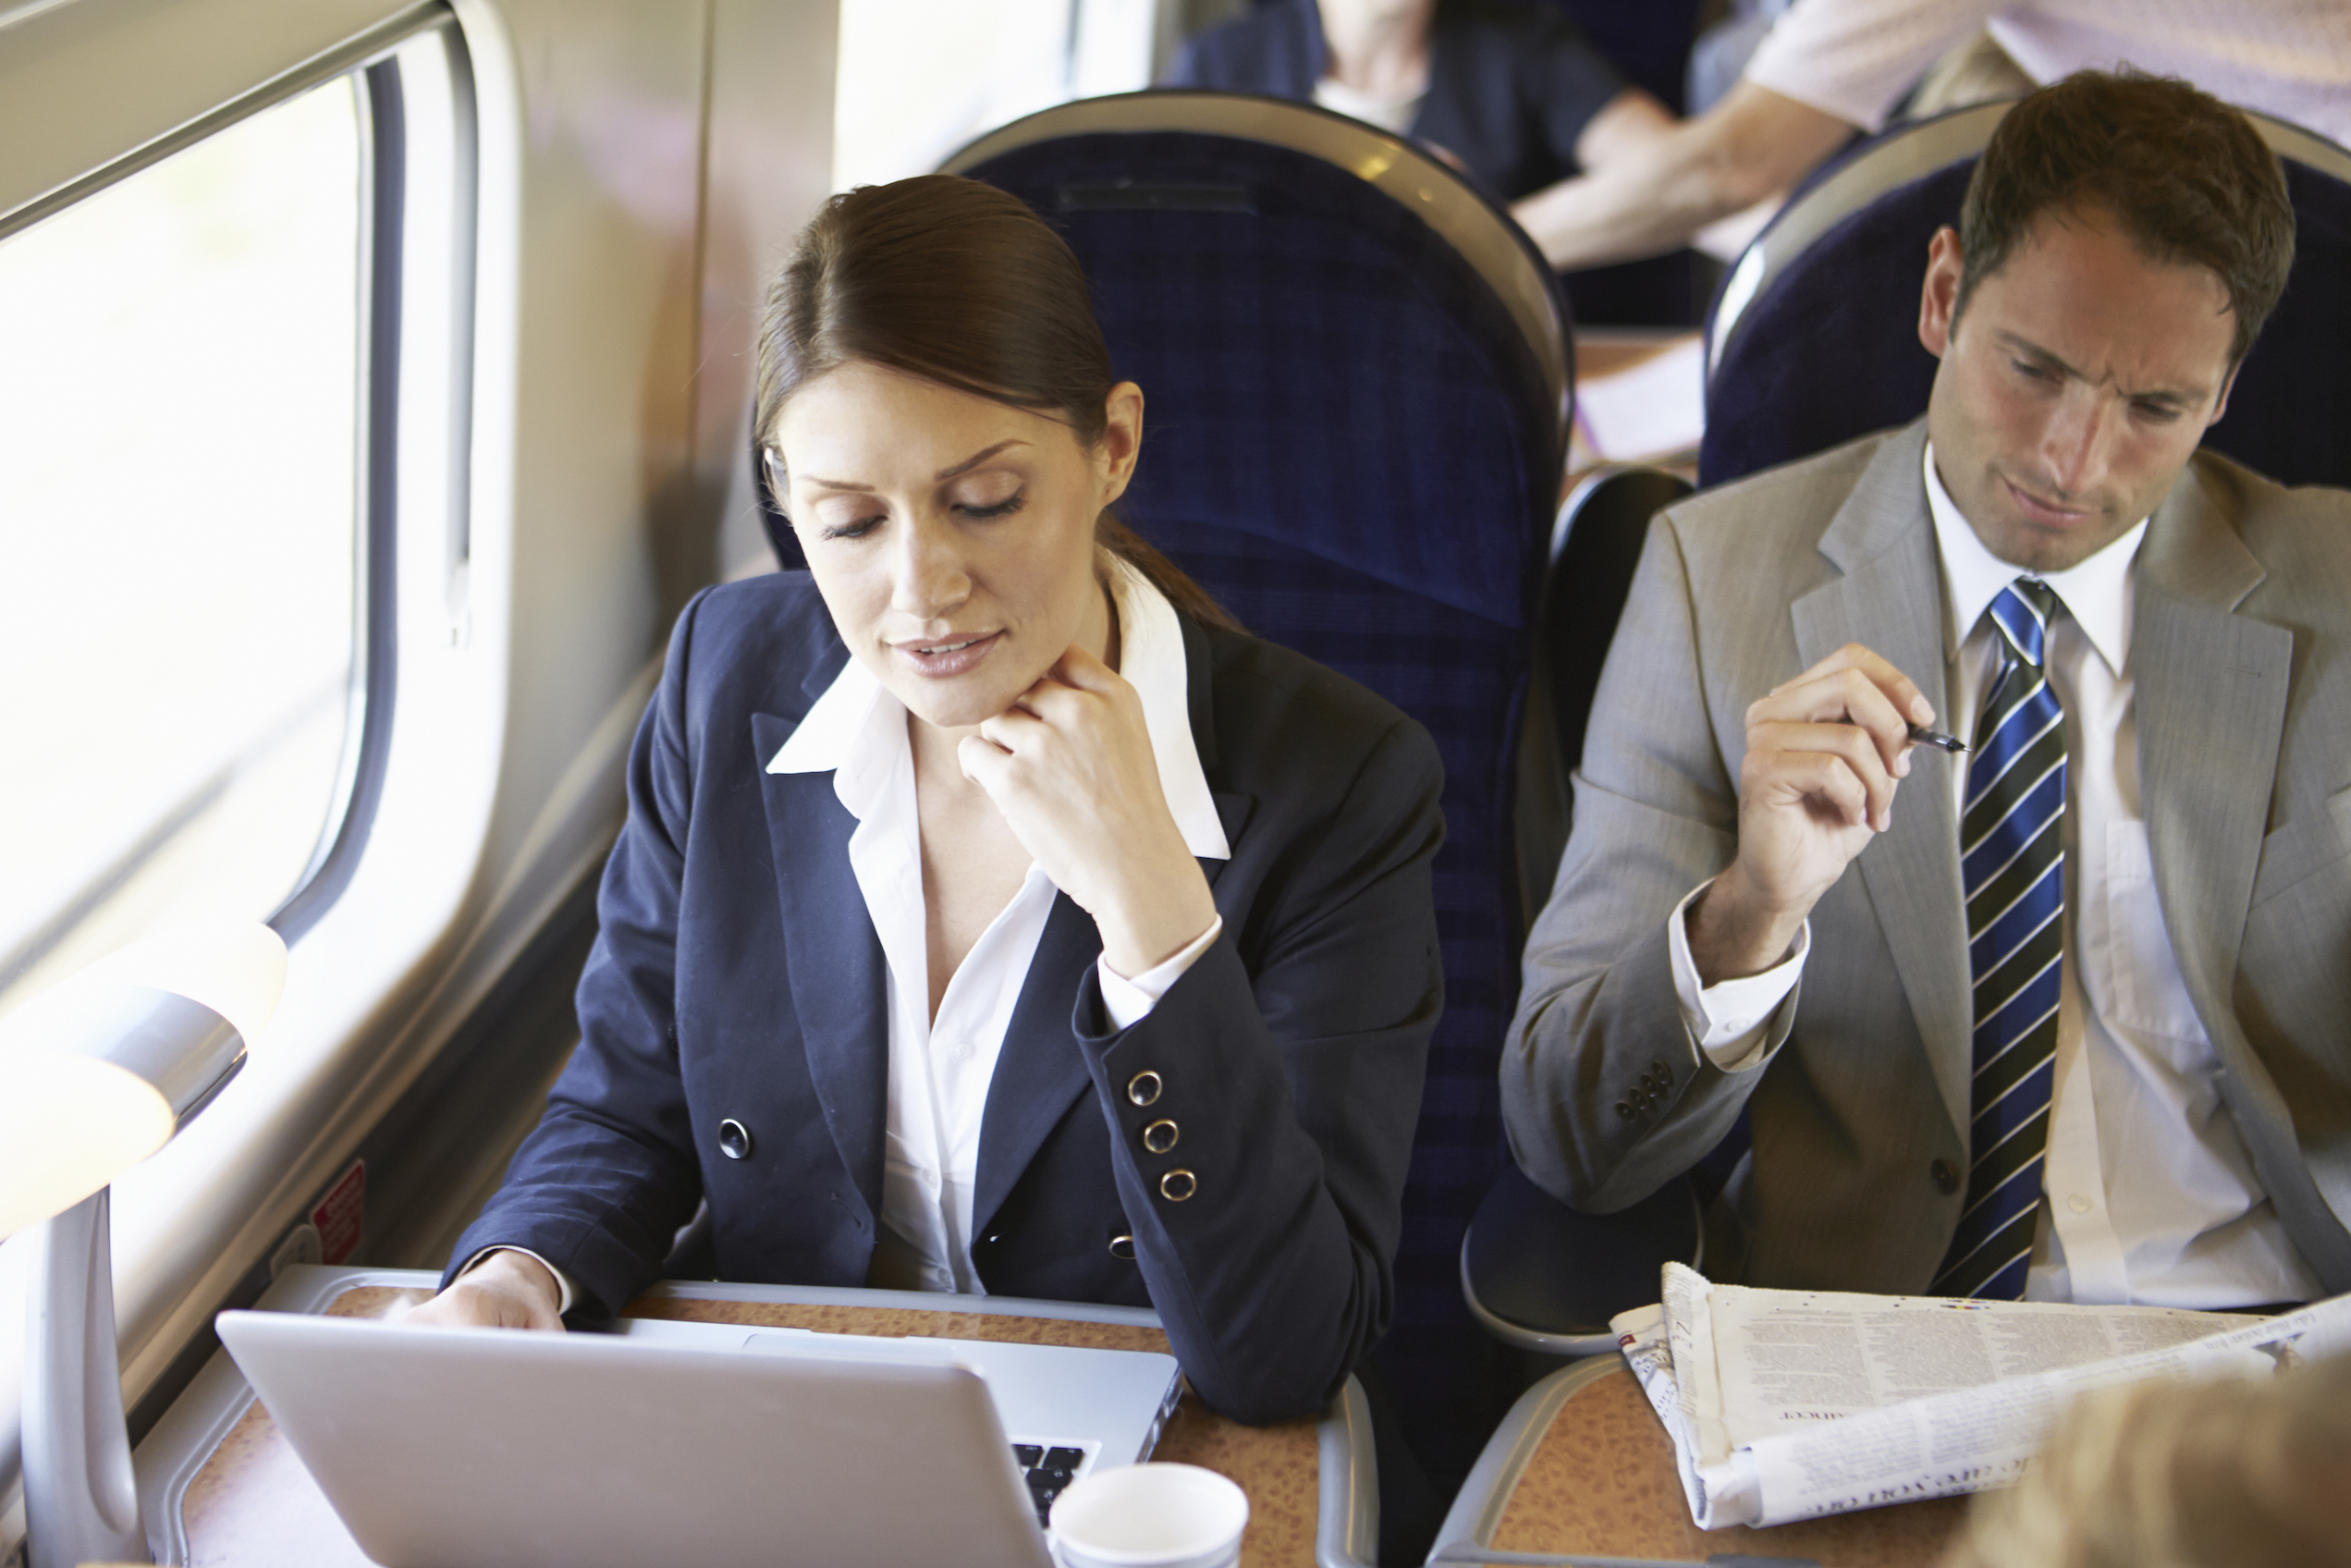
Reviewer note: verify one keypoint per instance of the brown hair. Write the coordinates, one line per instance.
(961, 284)
(2182, 1474)
(2185, 174)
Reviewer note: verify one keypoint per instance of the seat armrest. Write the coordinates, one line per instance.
(1542, 1277)
(1347, 1484)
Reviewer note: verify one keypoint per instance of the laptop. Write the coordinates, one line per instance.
(693, 1442)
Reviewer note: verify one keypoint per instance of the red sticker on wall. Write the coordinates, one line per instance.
(342, 1214)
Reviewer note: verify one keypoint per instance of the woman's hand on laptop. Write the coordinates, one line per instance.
(504, 1289)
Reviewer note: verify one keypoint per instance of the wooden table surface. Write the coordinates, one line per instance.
(1602, 1483)
(252, 1505)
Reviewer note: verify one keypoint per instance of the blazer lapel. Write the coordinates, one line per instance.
(1233, 811)
(2210, 690)
(1889, 599)
(1039, 1069)
(833, 957)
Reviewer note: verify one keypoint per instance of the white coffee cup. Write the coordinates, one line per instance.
(1150, 1516)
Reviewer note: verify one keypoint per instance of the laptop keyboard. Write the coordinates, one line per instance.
(1047, 1470)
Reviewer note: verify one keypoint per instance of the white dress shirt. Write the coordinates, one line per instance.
(2151, 1194)
(940, 1068)
(1855, 58)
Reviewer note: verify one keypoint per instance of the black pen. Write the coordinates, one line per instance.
(1935, 738)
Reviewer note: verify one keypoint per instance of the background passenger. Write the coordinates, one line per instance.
(1830, 67)
(1505, 89)
(2102, 955)
(991, 914)
(2182, 1474)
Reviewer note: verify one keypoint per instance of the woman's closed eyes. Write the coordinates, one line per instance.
(984, 511)
(860, 524)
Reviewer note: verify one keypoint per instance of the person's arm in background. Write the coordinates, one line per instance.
(1826, 70)
(1653, 184)
(1629, 122)
(1591, 117)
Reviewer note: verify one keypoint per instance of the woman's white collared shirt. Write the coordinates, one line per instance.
(941, 1069)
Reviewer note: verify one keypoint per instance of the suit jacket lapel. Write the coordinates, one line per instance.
(1232, 810)
(2210, 690)
(834, 958)
(1039, 1069)
(1890, 599)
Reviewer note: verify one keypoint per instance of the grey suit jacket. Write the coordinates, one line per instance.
(2241, 652)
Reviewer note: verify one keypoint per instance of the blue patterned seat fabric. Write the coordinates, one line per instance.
(1347, 442)
(1831, 350)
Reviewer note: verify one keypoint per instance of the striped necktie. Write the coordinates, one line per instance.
(2013, 861)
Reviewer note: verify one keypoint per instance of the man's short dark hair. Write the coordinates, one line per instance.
(2187, 176)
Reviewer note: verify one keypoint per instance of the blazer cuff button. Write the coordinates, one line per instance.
(1178, 1184)
(734, 1139)
(1160, 1136)
(1144, 1088)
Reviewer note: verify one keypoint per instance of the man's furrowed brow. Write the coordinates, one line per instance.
(2179, 397)
(2018, 344)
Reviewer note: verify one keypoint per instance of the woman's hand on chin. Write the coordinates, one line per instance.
(1069, 766)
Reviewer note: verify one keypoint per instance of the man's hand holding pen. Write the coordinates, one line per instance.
(1825, 753)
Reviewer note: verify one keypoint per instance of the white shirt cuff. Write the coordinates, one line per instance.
(1736, 1023)
(1129, 1002)
(562, 1280)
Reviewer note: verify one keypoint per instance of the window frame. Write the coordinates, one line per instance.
(361, 49)
(377, 58)
(375, 612)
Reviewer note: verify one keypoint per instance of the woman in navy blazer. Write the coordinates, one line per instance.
(1209, 1069)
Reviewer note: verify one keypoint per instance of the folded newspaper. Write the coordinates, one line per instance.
(1790, 1404)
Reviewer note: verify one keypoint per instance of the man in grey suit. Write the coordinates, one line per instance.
(2067, 1015)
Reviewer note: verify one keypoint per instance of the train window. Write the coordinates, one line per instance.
(920, 77)
(179, 404)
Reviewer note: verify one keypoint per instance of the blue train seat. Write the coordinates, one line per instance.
(1595, 543)
(1813, 339)
(1536, 1274)
(1544, 1277)
(1356, 372)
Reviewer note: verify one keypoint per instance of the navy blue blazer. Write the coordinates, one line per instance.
(737, 976)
